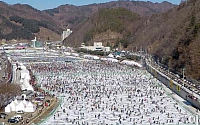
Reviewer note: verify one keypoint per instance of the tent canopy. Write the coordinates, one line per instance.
(8, 108)
(20, 106)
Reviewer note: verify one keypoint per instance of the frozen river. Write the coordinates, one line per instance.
(95, 92)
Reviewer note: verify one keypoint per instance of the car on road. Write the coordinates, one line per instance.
(19, 117)
(3, 115)
(20, 47)
(195, 90)
(41, 97)
(20, 112)
(12, 120)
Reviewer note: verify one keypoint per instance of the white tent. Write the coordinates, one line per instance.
(127, 62)
(25, 102)
(91, 57)
(25, 78)
(30, 107)
(104, 59)
(117, 56)
(20, 106)
(75, 54)
(113, 60)
(111, 55)
(67, 53)
(8, 108)
(24, 105)
(13, 105)
(96, 57)
(25, 74)
(15, 101)
(26, 86)
(22, 66)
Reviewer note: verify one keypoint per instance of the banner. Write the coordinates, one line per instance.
(178, 88)
(171, 83)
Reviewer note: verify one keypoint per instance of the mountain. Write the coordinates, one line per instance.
(172, 37)
(69, 15)
(111, 26)
(83, 19)
(21, 21)
(167, 31)
(24, 22)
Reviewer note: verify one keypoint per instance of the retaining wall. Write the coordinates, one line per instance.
(180, 90)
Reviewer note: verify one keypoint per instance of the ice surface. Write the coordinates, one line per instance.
(97, 92)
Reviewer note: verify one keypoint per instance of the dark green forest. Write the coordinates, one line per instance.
(115, 20)
(26, 30)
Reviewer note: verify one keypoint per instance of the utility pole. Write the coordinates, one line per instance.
(25, 50)
(3, 49)
(43, 48)
(183, 73)
(75, 41)
(136, 49)
(141, 55)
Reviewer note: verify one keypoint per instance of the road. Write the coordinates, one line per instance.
(3, 69)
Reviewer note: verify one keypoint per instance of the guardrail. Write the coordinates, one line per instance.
(179, 89)
(53, 111)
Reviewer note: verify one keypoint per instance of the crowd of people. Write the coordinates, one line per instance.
(101, 92)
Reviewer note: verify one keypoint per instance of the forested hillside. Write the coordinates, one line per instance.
(109, 26)
(171, 37)
(24, 22)
(70, 16)
(21, 21)
(111, 20)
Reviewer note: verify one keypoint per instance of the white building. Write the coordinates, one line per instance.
(65, 34)
(98, 46)
(33, 42)
(106, 49)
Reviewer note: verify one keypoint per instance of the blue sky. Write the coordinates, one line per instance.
(49, 4)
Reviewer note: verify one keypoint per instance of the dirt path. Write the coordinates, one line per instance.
(46, 112)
